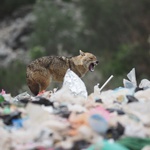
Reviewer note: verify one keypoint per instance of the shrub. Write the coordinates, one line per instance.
(37, 52)
(13, 77)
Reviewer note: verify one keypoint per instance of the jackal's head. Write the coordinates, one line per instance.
(89, 61)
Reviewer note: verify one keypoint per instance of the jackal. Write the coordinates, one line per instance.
(42, 71)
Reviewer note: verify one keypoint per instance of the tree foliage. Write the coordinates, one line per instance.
(13, 77)
(55, 27)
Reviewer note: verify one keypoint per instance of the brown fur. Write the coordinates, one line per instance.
(44, 70)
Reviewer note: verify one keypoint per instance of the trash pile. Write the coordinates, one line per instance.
(70, 119)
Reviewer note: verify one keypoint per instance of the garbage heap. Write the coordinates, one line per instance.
(70, 119)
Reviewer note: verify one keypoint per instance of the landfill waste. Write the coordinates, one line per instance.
(134, 143)
(71, 119)
(107, 145)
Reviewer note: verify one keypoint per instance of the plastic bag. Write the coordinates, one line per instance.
(74, 84)
(131, 83)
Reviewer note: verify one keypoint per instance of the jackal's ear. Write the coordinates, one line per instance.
(82, 53)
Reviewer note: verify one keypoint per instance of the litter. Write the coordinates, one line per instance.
(134, 143)
(71, 119)
(74, 84)
(106, 82)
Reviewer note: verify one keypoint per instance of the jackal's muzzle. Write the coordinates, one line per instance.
(92, 65)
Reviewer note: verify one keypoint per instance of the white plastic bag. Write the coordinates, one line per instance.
(74, 84)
